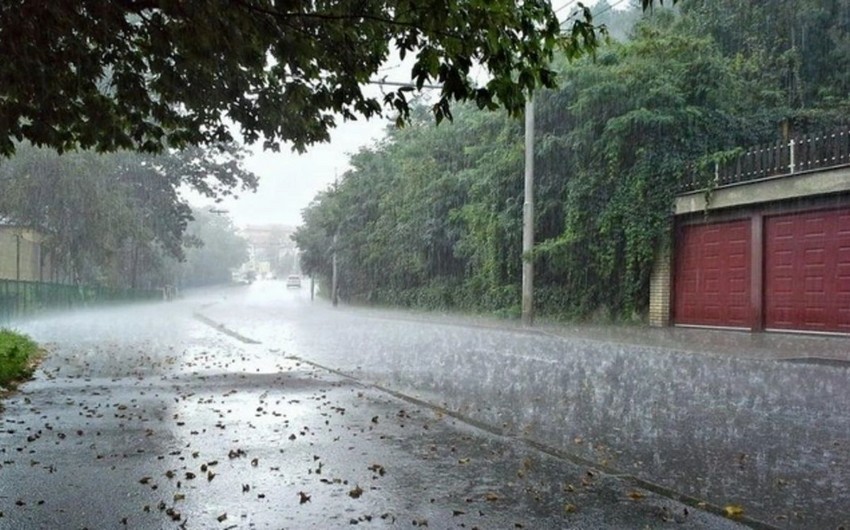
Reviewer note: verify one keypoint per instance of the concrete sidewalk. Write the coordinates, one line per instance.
(796, 347)
(780, 346)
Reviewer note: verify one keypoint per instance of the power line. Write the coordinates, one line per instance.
(401, 84)
(594, 15)
(609, 8)
(387, 68)
(568, 4)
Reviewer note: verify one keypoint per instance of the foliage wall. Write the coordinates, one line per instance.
(431, 217)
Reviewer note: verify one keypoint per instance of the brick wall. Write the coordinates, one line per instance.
(659, 289)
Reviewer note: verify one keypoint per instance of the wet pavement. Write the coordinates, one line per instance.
(150, 418)
(739, 425)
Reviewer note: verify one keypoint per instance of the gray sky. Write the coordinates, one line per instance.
(289, 181)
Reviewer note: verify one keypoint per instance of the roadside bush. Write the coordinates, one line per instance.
(17, 353)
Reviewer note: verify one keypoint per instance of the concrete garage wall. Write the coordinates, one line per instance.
(767, 190)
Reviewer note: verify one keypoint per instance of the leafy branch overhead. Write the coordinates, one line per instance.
(145, 74)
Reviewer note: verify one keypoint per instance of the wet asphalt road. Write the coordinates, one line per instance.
(148, 418)
(772, 437)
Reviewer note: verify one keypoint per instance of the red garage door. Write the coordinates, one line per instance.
(807, 271)
(713, 275)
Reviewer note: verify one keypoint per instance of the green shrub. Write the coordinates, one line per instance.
(17, 353)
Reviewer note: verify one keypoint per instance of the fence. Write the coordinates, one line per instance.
(804, 153)
(18, 298)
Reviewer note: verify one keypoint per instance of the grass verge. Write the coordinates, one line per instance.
(18, 356)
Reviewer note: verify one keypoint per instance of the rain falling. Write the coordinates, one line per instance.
(478, 264)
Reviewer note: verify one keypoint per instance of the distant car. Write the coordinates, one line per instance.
(293, 280)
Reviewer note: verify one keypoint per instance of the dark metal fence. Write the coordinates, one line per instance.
(803, 153)
(19, 298)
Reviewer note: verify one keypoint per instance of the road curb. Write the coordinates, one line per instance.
(653, 487)
(221, 328)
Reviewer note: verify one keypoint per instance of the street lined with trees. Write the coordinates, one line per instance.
(184, 80)
(432, 216)
(259, 405)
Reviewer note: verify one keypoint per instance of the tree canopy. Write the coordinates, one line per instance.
(116, 219)
(146, 74)
(213, 250)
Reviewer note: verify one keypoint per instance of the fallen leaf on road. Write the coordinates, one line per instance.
(378, 468)
(733, 511)
(174, 514)
(635, 495)
(356, 492)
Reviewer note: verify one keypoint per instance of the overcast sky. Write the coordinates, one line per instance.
(289, 181)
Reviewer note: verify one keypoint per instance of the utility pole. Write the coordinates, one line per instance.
(528, 219)
(18, 257)
(334, 268)
(334, 298)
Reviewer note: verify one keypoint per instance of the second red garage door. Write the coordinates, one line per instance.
(807, 271)
(712, 275)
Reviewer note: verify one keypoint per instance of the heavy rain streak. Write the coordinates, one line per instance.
(575, 266)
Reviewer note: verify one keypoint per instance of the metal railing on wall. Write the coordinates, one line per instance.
(22, 298)
(800, 154)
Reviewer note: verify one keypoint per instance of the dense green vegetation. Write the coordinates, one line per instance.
(213, 248)
(121, 220)
(431, 217)
(16, 357)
